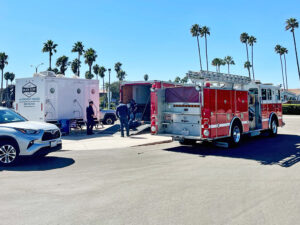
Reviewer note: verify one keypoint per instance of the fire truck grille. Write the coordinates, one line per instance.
(50, 135)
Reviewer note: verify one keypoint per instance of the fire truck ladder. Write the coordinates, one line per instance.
(203, 76)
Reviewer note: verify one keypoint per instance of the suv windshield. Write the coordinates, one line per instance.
(9, 116)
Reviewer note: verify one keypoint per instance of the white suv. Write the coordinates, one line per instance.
(19, 137)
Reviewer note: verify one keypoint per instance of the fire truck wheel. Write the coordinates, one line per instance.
(187, 142)
(273, 130)
(236, 134)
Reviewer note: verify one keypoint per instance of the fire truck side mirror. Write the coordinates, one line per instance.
(198, 88)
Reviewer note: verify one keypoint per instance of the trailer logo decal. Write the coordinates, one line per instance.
(29, 89)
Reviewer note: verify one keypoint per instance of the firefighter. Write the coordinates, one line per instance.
(133, 109)
(90, 118)
(122, 113)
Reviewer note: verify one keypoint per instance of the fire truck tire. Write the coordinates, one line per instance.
(236, 134)
(274, 127)
(187, 142)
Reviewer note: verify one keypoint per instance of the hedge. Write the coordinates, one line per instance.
(293, 109)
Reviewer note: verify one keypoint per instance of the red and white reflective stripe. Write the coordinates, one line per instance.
(223, 125)
(265, 120)
(280, 117)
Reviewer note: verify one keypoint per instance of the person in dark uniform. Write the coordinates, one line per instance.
(133, 109)
(123, 113)
(90, 118)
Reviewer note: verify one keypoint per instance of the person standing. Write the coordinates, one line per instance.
(122, 113)
(133, 108)
(90, 118)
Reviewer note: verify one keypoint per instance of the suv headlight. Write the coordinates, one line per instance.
(28, 131)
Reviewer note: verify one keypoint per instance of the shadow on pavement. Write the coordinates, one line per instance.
(282, 150)
(40, 164)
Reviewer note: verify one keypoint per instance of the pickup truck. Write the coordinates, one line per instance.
(108, 116)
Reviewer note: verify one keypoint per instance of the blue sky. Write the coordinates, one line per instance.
(150, 36)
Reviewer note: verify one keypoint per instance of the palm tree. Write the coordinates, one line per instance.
(177, 80)
(79, 48)
(55, 70)
(195, 31)
(291, 24)
(12, 77)
(3, 62)
(7, 77)
(244, 39)
(247, 66)
(102, 71)
(90, 57)
(121, 75)
(204, 32)
(50, 47)
(63, 63)
(217, 62)
(229, 61)
(89, 75)
(251, 42)
(96, 70)
(146, 77)
(278, 50)
(75, 66)
(118, 67)
(284, 51)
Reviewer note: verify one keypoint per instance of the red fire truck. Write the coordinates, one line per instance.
(140, 91)
(216, 106)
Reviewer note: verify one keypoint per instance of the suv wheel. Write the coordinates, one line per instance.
(9, 153)
(109, 120)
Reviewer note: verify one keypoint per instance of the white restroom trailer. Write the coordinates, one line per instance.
(50, 98)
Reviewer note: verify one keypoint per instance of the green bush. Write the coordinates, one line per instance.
(293, 109)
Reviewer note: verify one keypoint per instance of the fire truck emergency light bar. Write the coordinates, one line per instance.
(218, 77)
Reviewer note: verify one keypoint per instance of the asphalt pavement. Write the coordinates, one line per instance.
(256, 183)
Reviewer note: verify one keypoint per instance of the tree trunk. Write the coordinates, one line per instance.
(216, 68)
(228, 68)
(249, 73)
(103, 84)
(90, 68)
(252, 62)
(282, 73)
(50, 60)
(78, 69)
(206, 53)
(296, 53)
(6, 83)
(1, 85)
(285, 69)
(247, 52)
(199, 53)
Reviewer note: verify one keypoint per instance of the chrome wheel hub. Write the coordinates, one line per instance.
(236, 134)
(7, 154)
(274, 127)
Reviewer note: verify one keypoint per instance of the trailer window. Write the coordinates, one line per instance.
(78, 91)
(264, 94)
(52, 90)
(269, 94)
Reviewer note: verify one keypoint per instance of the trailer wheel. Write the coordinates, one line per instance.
(187, 142)
(236, 134)
(274, 127)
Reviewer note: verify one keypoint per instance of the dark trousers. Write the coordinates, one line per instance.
(89, 126)
(124, 123)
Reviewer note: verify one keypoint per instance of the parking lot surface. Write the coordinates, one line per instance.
(256, 183)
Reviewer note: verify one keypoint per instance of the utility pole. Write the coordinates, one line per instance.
(109, 70)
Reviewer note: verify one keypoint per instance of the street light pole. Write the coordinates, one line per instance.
(36, 67)
(109, 70)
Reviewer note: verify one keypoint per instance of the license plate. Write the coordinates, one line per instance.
(53, 144)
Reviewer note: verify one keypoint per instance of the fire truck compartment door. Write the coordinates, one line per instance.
(183, 119)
